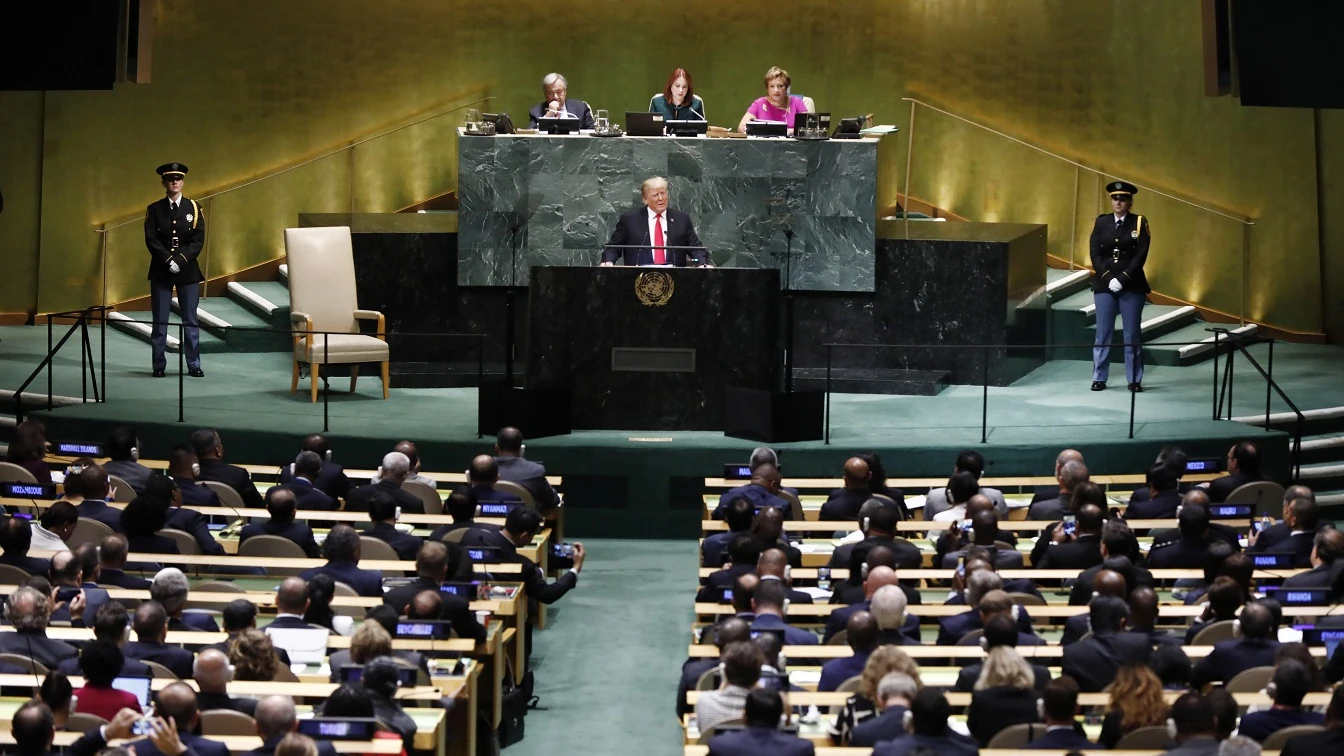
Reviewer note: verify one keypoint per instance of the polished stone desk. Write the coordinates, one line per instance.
(569, 190)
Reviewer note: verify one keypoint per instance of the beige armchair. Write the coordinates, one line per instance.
(322, 298)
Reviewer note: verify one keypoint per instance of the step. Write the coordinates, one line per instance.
(1188, 345)
(1078, 301)
(1323, 477)
(1315, 421)
(267, 299)
(1064, 283)
(889, 381)
(1157, 319)
(284, 273)
(1322, 449)
(57, 400)
(1330, 499)
(122, 321)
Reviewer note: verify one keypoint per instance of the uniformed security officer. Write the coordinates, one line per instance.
(174, 235)
(1119, 248)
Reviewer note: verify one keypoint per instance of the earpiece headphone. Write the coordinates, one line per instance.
(1040, 709)
(1236, 628)
(1171, 728)
(126, 633)
(863, 571)
(984, 643)
(864, 527)
(788, 573)
(908, 721)
(195, 468)
(327, 457)
(1270, 690)
(135, 451)
(786, 606)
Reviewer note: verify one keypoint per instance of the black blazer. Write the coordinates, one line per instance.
(1094, 662)
(1078, 554)
(1330, 741)
(633, 228)
(405, 544)
(358, 500)
(1081, 593)
(293, 531)
(577, 108)
(1219, 488)
(1161, 508)
(1298, 544)
(531, 476)
(215, 701)
(172, 235)
(175, 658)
(1120, 253)
(455, 608)
(1230, 658)
(234, 477)
(994, 709)
(193, 522)
(1184, 553)
(907, 554)
(36, 646)
(119, 579)
(844, 504)
(309, 497)
(331, 479)
(534, 581)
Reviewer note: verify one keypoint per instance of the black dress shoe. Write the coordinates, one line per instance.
(196, 373)
(1098, 385)
(1136, 388)
(158, 373)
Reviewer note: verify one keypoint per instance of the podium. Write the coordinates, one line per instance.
(652, 348)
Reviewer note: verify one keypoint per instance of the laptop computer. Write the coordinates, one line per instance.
(643, 123)
(136, 686)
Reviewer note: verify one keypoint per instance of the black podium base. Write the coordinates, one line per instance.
(774, 417)
(537, 412)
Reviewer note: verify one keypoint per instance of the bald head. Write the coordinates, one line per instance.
(733, 630)
(1196, 496)
(484, 470)
(768, 524)
(767, 475)
(65, 568)
(862, 632)
(1068, 455)
(1143, 607)
(878, 577)
(1109, 583)
(178, 703)
(978, 503)
(292, 596)
(211, 671)
(275, 717)
(772, 563)
(857, 473)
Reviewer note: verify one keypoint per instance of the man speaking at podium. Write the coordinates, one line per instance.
(655, 234)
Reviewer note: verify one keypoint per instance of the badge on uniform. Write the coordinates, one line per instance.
(1136, 233)
(1132, 234)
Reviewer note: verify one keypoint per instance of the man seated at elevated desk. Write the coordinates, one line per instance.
(655, 234)
(558, 105)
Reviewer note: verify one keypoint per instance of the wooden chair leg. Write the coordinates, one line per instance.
(354, 376)
(294, 379)
(313, 377)
(386, 381)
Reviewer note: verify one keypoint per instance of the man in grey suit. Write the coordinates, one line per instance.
(1196, 727)
(558, 105)
(530, 475)
(1072, 474)
(973, 463)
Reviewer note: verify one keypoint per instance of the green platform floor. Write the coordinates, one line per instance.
(648, 483)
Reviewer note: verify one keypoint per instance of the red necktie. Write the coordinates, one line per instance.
(659, 254)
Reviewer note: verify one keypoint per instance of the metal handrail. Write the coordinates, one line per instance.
(1238, 344)
(86, 350)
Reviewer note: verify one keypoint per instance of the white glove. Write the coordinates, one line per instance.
(172, 265)
(1115, 285)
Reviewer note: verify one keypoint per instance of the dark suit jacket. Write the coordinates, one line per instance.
(1298, 544)
(193, 522)
(1078, 554)
(119, 579)
(633, 228)
(196, 495)
(405, 544)
(759, 741)
(293, 531)
(455, 608)
(202, 746)
(907, 554)
(358, 500)
(993, 709)
(130, 668)
(1219, 488)
(793, 636)
(887, 725)
(532, 578)
(162, 225)
(969, 674)
(1119, 254)
(719, 580)
(1185, 553)
(577, 108)
(31, 565)
(691, 671)
(1049, 510)
(211, 701)
(1061, 740)
(844, 503)
(194, 622)
(308, 497)
(759, 496)
(1323, 576)
(331, 480)
(38, 647)
(713, 547)
(175, 658)
(1161, 508)
(531, 476)
(950, 629)
(234, 477)
(950, 744)
(1330, 741)
(365, 582)
(94, 598)
(1094, 662)
(1081, 593)
(1230, 658)
(1075, 628)
(97, 509)
(324, 748)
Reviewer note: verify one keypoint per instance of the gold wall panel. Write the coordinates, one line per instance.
(21, 183)
(241, 88)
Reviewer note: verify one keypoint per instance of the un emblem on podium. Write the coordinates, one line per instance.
(654, 288)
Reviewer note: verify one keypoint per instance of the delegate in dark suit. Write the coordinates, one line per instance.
(632, 240)
(1299, 544)
(1322, 576)
(455, 608)
(888, 725)
(196, 495)
(234, 477)
(691, 672)
(757, 494)
(216, 701)
(843, 504)
(1078, 554)
(130, 668)
(358, 501)
(993, 709)
(190, 521)
(36, 646)
(1230, 658)
(118, 578)
(307, 496)
(1094, 662)
(1219, 488)
(1119, 249)
(365, 582)
(331, 480)
(907, 554)
(174, 236)
(950, 744)
(1161, 508)
(202, 746)
(97, 509)
(950, 629)
(531, 476)
(301, 535)
(1315, 744)
(759, 741)
(175, 658)
(534, 582)
(405, 544)
(1061, 739)
(577, 108)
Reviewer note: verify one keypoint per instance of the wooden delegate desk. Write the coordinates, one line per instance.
(805, 614)
(703, 651)
(236, 743)
(828, 750)
(1014, 482)
(842, 573)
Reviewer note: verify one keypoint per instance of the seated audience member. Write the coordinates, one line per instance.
(520, 527)
(877, 483)
(383, 515)
(895, 691)
(303, 484)
(1082, 549)
(1004, 695)
(329, 477)
(773, 564)
(88, 490)
(1136, 701)
(960, 488)
(953, 540)
(463, 507)
(741, 671)
(253, 656)
(67, 579)
(1328, 741)
(34, 729)
(16, 538)
(412, 454)
(768, 528)
(1059, 709)
(1093, 662)
(928, 730)
(762, 491)
(985, 534)
(1143, 617)
(1223, 561)
(373, 643)
(762, 711)
(739, 514)
(777, 104)
(1225, 711)
(90, 571)
(844, 503)
(1164, 494)
(433, 563)
(862, 634)
(881, 531)
(1302, 517)
(1327, 546)
(998, 602)
(1224, 598)
(55, 525)
(109, 624)
(353, 701)
(282, 505)
(1070, 474)
(100, 662)
(526, 473)
(209, 451)
(185, 489)
(187, 519)
(381, 679)
(56, 693)
(896, 628)
(141, 522)
(29, 449)
(1194, 727)
(170, 589)
(851, 590)
(1300, 652)
(1254, 648)
(29, 610)
(557, 104)
(151, 629)
(1120, 553)
(341, 549)
(937, 500)
(1000, 631)
(1171, 666)
(1239, 745)
(179, 705)
(1191, 550)
(276, 718)
(394, 471)
(482, 475)
(291, 602)
(877, 577)
(213, 674)
(861, 706)
(1243, 466)
(1280, 530)
(1106, 583)
(729, 631)
(123, 451)
(768, 606)
(978, 584)
(112, 553)
(1292, 683)
(678, 101)
(321, 590)
(240, 615)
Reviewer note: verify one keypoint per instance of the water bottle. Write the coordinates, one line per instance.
(824, 578)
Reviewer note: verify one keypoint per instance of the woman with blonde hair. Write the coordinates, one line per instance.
(777, 104)
(369, 642)
(1136, 701)
(862, 705)
(253, 656)
(295, 744)
(1005, 693)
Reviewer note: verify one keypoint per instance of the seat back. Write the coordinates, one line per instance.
(121, 490)
(1279, 738)
(12, 473)
(158, 670)
(519, 490)
(273, 546)
(839, 639)
(1265, 497)
(971, 638)
(9, 574)
(708, 735)
(1026, 599)
(1214, 633)
(1016, 736)
(186, 544)
(795, 506)
(851, 685)
(88, 531)
(227, 496)
(24, 663)
(427, 496)
(322, 277)
(456, 536)
(1252, 680)
(222, 722)
(1155, 738)
(213, 608)
(344, 589)
(372, 548)
(708, 679)
(87, 723)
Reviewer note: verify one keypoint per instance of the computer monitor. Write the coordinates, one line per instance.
(558, 125)
(136, 686)
(640, 123)
(767, 128)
